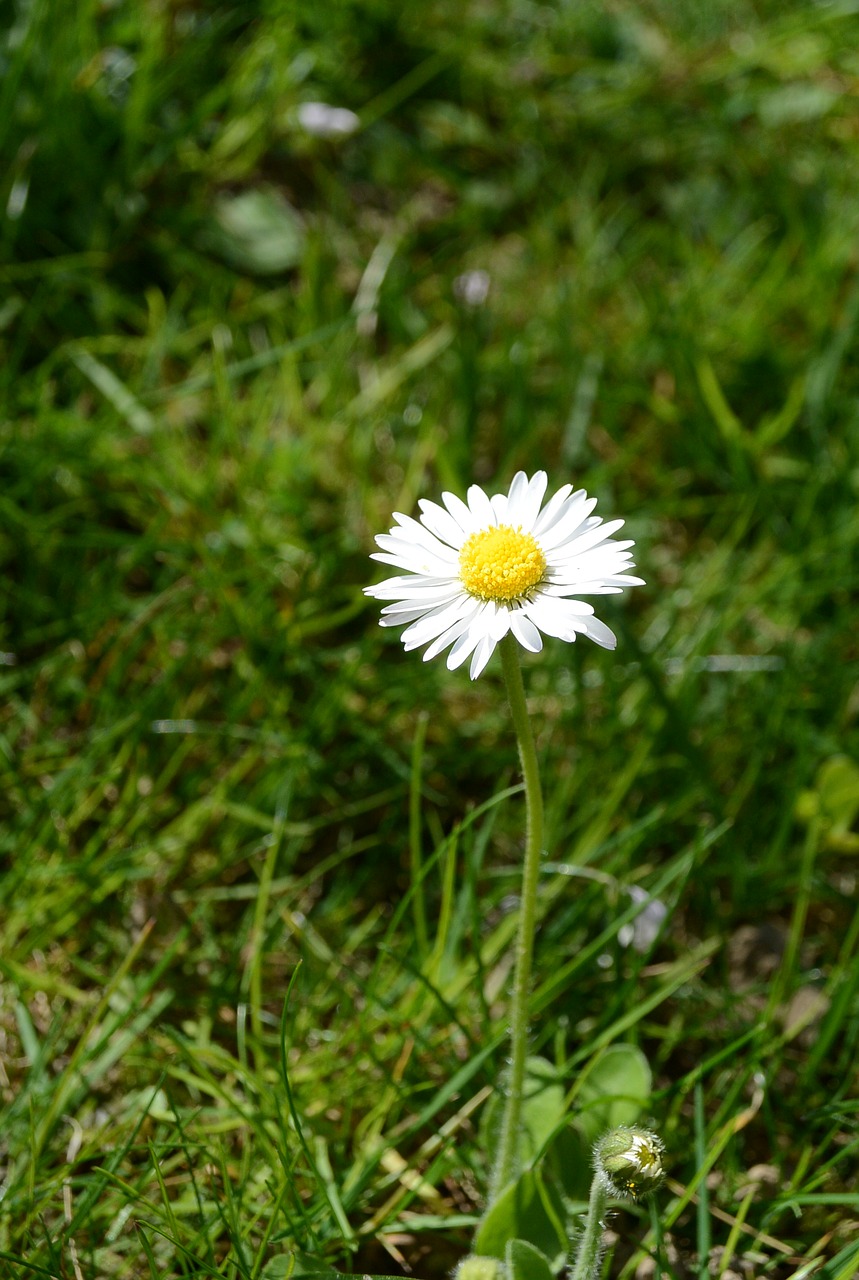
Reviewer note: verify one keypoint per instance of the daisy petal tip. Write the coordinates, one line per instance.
(481, 658)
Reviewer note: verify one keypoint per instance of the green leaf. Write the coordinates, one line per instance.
(842, 1266)
(280, 1268)
(543, 1111)
(528, 1209)
(294, 1264)
(571, 1163)
(543, 1106)
(615, 1091)
(525, 1262)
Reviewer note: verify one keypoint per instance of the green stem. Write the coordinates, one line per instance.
(589, 1255)
(506, 1162)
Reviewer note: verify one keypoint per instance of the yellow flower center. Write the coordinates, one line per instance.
(501, 563)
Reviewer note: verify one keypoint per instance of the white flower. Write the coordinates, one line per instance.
(472, 287)
(325, 121)
(476, 570)
(643, 930)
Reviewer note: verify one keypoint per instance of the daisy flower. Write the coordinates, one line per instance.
(475, 570)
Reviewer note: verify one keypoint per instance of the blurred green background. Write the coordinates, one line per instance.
(616, 241)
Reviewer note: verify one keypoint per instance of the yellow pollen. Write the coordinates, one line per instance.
(501, 563)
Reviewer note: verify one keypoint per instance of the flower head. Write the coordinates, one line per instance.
(628, 1161)
(325, 121)
(472, 287)
(475, 570)
(642, 931)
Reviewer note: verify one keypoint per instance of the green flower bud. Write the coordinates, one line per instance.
(475, 1267)
(629, 1161)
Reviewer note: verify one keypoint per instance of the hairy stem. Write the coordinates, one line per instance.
(589, 1256)
(506, 1161)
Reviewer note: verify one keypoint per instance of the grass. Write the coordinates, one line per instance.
(256, 862)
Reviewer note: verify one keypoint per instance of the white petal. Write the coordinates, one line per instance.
(593, 562)
(499, 620)
(419, 533)
(405, 555)
(419, 604)
(414, 587)
(616, 581)
(601, 634)
(499, 506)
(460, 513)
(525, 631)
(414, 564)
(399, 607)
(556, 618)
(443, 525)
(427, 600)
(479, 629)
(408, 549)
(482, 654)
(438, 645)
(569, 523)
(411, 616)
(417, 561)
(597, 587)
(403, 616)
(556, 600)
(595, 567)
(528, 504)
(578, 543)
(481, 508)
(553, 509)
(465, 645)
(516, 498)
(432, 624)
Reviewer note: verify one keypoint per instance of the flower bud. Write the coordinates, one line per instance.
(629, 1161)
(474, 1267)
